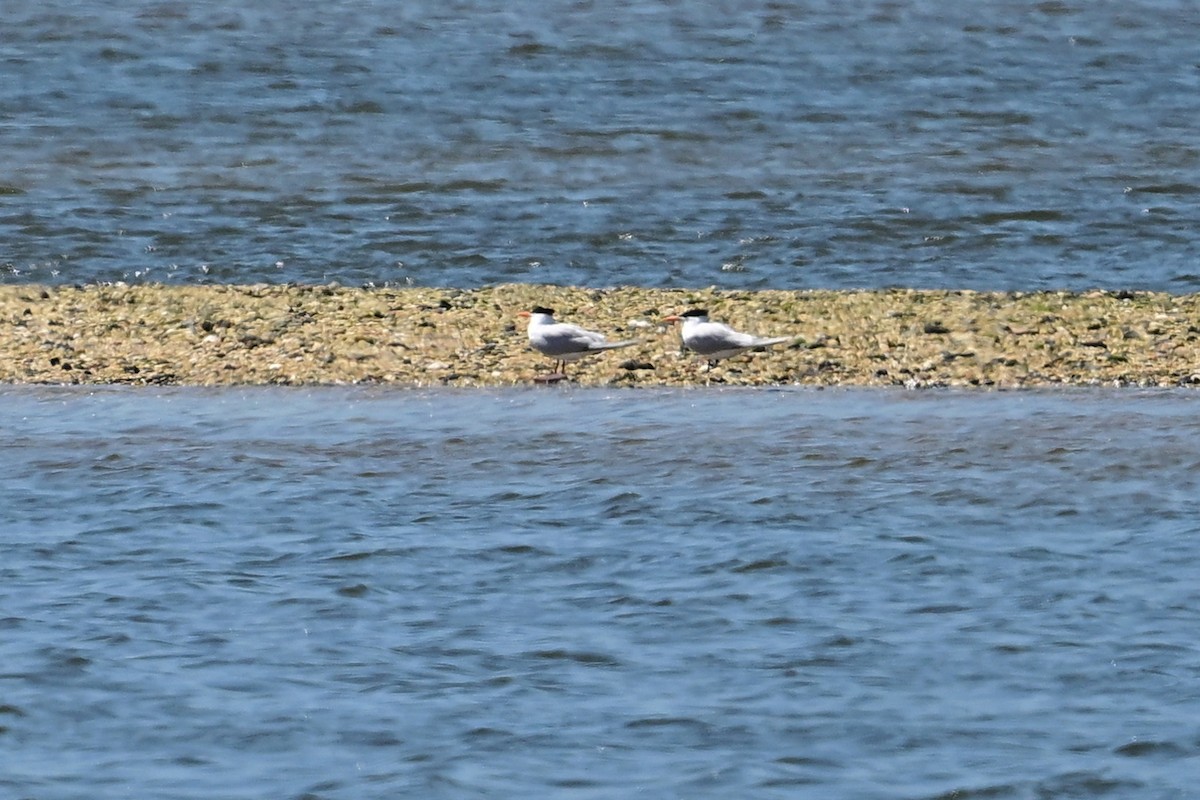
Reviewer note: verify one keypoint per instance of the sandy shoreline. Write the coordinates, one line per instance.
(276, 334)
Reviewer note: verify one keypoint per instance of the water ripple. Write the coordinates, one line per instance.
(864, 593)
(977, 147)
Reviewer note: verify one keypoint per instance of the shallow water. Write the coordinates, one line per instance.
(999, 145)
(545, 593)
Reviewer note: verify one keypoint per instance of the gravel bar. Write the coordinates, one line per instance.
(305, 335)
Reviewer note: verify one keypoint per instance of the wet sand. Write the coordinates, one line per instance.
(276, 334)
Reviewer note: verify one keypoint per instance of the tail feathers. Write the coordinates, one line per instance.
(614, 345)
(772, 340)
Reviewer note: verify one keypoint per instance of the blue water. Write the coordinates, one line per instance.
(742, 144)
(557, 592)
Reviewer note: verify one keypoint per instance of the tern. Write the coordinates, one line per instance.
(715, 340)
(564, 342)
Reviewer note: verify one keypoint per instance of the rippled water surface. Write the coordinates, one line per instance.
(369, 593)
(998, 145)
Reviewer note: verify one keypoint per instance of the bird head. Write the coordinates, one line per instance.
(546, 314)
(697, 314)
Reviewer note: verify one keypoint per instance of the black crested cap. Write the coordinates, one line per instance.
(542, 310)
(695, 312)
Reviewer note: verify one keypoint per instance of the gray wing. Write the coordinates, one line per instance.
(715, 338)
(562, 339)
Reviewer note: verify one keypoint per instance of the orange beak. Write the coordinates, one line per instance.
(673, 318)
(524, 314)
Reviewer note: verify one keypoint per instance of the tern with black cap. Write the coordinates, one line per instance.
(716, 340)
(565, 342)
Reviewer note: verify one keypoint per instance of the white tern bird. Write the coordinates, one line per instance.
(715, 340)
(562, 341)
